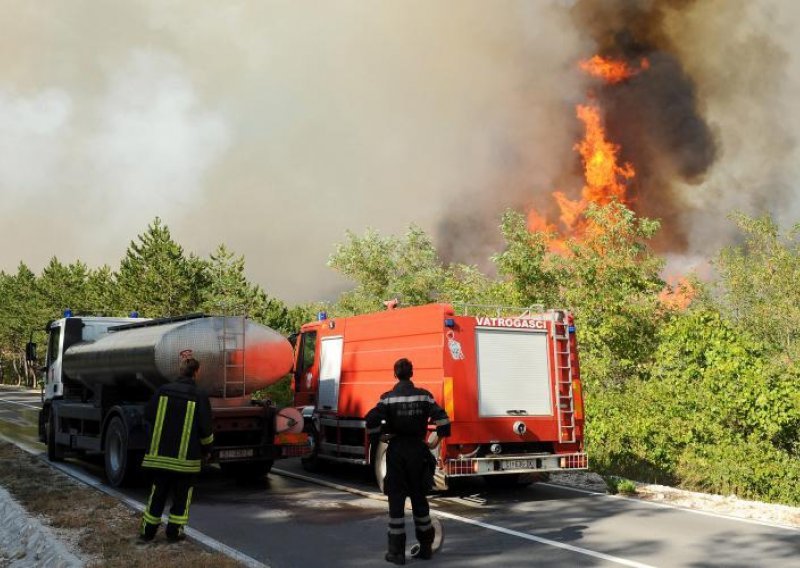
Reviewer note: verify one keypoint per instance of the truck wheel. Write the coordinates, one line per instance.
(121, 464)
(55, 453)
(311, 463)
(248, 471)
(379, 464)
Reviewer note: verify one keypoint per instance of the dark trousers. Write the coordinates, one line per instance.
(165, 483)
(408, 475)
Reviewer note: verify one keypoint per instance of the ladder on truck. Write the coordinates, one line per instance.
(563, 358)
(233, 357)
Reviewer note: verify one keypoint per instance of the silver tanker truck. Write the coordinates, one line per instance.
(100, 372)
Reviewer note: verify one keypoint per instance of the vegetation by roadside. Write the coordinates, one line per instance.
(96, 526)
(694, 384)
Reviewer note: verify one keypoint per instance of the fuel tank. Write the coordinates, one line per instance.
(237, 356)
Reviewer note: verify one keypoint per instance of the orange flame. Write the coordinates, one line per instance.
(611, 70)
(605, 179)
(679, 295)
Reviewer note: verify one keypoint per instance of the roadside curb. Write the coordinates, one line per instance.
(194, 534)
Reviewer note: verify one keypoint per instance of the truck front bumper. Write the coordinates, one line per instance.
(523, 463)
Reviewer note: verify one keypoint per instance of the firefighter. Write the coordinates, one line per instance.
(402, 415)
(180, 416)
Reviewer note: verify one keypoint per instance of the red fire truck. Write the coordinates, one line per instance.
(510, 384)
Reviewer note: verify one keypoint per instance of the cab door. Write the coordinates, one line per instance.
(53, 386)
(306, 369)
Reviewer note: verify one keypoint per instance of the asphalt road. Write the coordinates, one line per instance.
(290, 520)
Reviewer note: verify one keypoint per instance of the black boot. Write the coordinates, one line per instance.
(175, 533)
(147, 532)
(397, 549)
(425, 539)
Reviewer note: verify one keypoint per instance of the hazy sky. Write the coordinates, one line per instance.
(276, 126)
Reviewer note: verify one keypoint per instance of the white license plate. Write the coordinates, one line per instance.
(233, 454)
(519, 464)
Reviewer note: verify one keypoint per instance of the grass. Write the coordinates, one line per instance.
(621, 485)
(105, 530)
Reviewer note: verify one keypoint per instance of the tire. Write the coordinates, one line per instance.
(507, 481)
(121, 464)
(311, 463)
(379, 465)
(247, 471)
(55, 453)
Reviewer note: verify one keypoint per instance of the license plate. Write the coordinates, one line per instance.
(519, 464)
(233, 454)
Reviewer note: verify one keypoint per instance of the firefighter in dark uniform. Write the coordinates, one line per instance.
(402, 414)
(180, 416)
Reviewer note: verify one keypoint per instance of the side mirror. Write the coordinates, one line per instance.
(30, 352)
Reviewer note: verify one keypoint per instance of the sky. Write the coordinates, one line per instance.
(275, 127)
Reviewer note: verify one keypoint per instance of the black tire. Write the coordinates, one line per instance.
(379, 465)
(506, 481)
(247, 471)
(55, 453)
(122, 465)
(312, 463)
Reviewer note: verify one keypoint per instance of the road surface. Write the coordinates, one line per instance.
(337, 519)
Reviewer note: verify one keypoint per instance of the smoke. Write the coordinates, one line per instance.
(274, 128)
(710, 107)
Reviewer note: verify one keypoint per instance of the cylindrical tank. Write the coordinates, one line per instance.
(237, 356)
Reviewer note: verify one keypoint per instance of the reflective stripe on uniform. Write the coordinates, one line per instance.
(442, 422)
(150, 499)
(150, 519)
(172, 464)
(402, 399)
(373, 430)
(208, 440)
(156, 441)
(422, 523)
(188, 420)
(397, 521)
(183, 519)
(176, 520)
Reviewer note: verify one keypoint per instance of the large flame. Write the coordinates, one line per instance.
(605, 179)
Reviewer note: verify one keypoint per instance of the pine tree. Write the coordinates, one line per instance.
(156, 279)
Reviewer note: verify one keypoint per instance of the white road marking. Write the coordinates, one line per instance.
(132, 503)
(547, 541)
(19, 403)
(676, 507)
(469, 521)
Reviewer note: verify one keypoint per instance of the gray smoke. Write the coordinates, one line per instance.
(274, 127)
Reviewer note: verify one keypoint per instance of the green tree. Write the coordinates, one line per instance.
(64, 286)
(758, 282)
(23, 314)
(374, 263)
(611, 279)
(527, 263)
(156, 278)
(228, 291)
(102, 292)
(407, 268)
